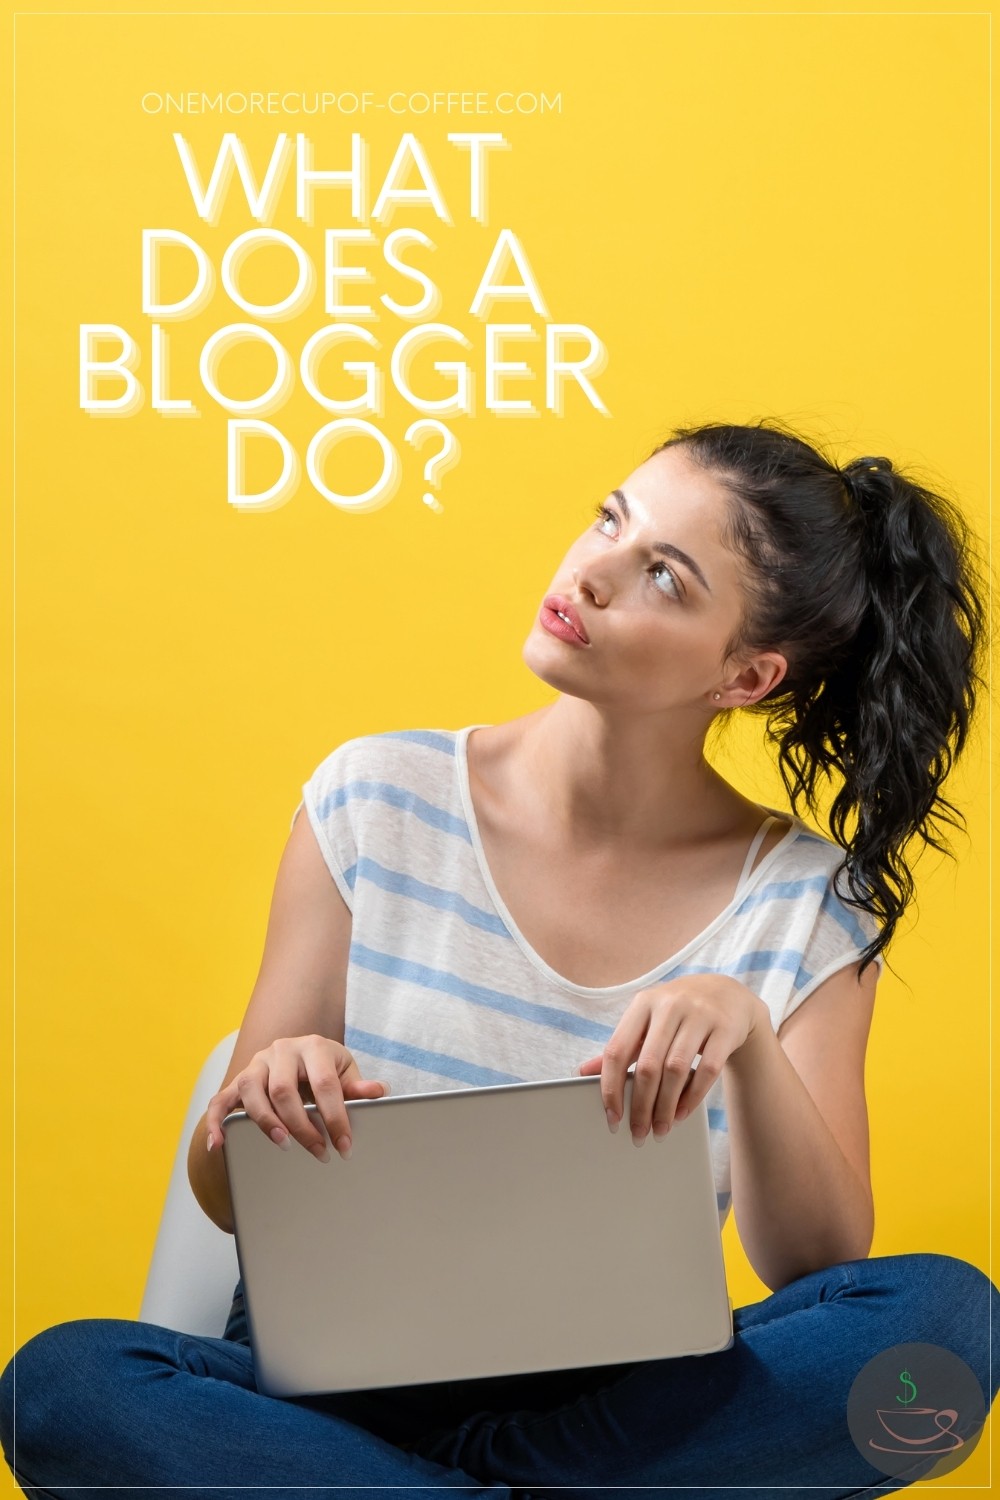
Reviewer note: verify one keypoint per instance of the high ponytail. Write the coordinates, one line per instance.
(868, 584)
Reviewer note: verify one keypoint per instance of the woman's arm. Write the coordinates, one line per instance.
(300, 989)
(798, 1134)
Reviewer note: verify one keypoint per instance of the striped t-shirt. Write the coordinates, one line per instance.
(444, 991)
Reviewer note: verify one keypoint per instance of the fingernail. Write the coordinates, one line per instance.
(386, 1090)
(321, 1153)
(660, 1131)
(638, 1140)
(344, 1146)
(211, 1143)
(613, 1120)
(681, 1114)
(280, 1137)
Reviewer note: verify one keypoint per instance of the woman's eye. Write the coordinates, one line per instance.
(673, 592)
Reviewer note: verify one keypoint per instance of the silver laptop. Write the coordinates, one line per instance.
(476, 1232)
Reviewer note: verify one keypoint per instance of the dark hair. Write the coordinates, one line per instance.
(868, 584)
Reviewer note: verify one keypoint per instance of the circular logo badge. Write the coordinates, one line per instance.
(916, 1410)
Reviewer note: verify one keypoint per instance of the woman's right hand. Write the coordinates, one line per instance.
(268, 1088)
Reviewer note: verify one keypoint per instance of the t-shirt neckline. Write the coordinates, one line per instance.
(608, 990)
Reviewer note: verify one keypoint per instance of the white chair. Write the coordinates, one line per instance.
(194, 1267)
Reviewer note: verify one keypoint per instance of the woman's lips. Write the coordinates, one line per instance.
(551, 622)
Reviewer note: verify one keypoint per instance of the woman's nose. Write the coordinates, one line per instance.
(592, 580)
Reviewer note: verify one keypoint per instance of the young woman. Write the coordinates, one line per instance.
(473, 906)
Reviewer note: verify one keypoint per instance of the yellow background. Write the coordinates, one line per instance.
(759, 215)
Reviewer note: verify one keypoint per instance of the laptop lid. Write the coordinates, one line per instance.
(475, 1232)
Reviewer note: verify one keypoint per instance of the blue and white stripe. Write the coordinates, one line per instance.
(442, 993)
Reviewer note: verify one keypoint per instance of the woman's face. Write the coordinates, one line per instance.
(659, 596)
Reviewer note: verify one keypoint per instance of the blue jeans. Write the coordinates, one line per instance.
(133, 1406)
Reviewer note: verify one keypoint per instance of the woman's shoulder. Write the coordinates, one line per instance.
(802, 847)
(419, 754)
(809, 870)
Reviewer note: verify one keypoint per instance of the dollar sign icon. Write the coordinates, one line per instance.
(904, 1376)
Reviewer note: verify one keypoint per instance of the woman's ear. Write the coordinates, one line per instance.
(755, 678)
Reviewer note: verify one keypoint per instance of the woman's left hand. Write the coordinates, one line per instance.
(662, 1031)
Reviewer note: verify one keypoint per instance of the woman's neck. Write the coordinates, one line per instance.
(597, 778)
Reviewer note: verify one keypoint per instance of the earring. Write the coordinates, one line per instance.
(716, 695)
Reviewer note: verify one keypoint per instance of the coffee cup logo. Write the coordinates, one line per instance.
(904, 1436)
